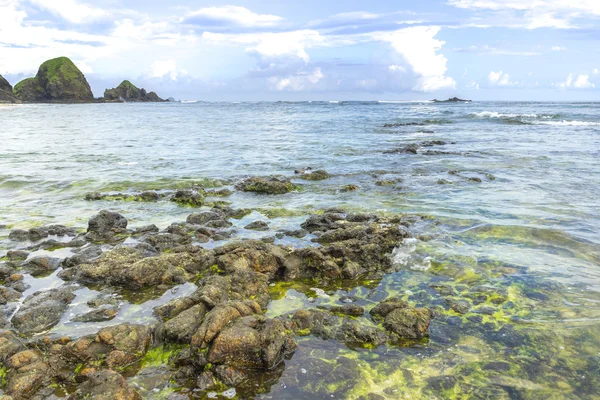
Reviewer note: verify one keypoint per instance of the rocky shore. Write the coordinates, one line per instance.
(60, 81)
(217, 325)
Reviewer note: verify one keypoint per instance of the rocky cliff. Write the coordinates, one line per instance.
(57, 80)
(6, 92)
(128, 92)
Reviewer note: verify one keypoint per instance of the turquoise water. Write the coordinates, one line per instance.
(512, 197)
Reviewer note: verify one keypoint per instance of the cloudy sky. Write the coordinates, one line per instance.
(315, 49)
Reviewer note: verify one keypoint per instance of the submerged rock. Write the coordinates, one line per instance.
(257, 226)
(128, 92)
(310, 175)
(188, 197)
(402, 320)
(267, 185)
(324, 324)
(105, 385)
(57, 80)
(42, 310)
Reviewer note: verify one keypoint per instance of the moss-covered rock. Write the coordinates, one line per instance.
(128, 92)
(57, 80)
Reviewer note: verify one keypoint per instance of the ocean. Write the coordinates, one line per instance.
(508, 195)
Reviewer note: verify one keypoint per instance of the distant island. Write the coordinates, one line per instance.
(60, 81)
(451, 100)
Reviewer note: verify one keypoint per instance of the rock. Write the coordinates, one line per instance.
(42, 310)
(311, 175)
(239, 285)
(6, 92)
(188, 197)
(145, 229)
(257, 226)
(408, 323)
(84, 255)
(119, 345)
(10, 344)
(444, 182)
(57, 80)
(182, 327)
(25, 385)
(409, 149)
(174, 307)
(42, 265)
(396, 125)
(324, 324)
(459, 306)
(105, 385)
(128, 92)
(17, 255)
(105, 225)
(251, 342)
(348, 309)
(18, 235)
(267, 185)
(451, 100)
(104, 313)
(8, 295)
(127, 267)
(216, 320)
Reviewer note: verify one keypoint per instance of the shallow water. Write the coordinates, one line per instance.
(531, 225)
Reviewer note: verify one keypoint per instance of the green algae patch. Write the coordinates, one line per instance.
(161, 355)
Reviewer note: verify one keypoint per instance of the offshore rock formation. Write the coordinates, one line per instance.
(60, 81)
(128, 92)
(6, 92)
(57, 80)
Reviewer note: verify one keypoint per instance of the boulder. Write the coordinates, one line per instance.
(57, 80)
(127, 267)
(105, 385)
(267, 185)
(128, 92)
(42, 310)
(351, 332)
(408, 323)
(105, 225)
(252, 342)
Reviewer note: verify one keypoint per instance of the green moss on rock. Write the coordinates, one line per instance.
(128, 92)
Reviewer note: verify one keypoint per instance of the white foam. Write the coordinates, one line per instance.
(570, 123)
(495, 114)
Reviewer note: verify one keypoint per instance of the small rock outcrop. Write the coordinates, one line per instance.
(128, 92)
(6, 92)
(452, 100)
(57, 80)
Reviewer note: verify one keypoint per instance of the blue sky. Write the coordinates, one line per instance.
(315, 50)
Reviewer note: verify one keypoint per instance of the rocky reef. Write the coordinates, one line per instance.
(128, 92)
(6, 92)
(57, 80)
(451, 100)
(60, 81)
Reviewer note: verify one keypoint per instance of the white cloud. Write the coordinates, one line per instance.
(472, 85)
(558, 48)
(232, 15)
(596, 71)
(299, 82)
(499, 79)
(582, 81)
(292, 44)
(495, 51)
(160, 69)
(533, 14)
(71, 10)
(419, 48)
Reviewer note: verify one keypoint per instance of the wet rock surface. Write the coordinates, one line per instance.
(254, 313)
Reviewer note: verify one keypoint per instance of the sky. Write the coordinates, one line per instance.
(315, 49)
